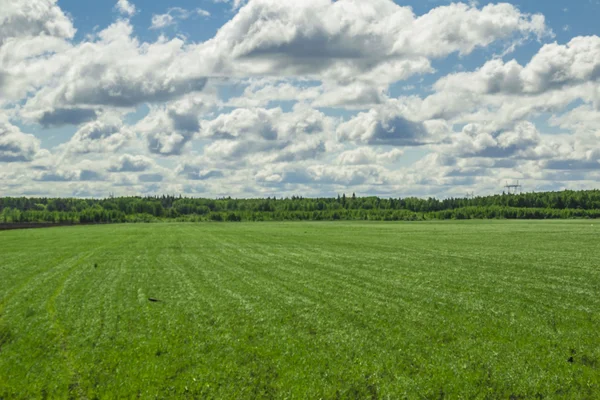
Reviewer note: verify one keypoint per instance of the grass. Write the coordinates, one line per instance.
(486, 310)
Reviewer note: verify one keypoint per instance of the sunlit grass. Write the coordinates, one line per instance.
(302, 310)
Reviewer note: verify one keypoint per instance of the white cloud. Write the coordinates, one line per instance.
(285, 175)
(16, 146)
(130, 163)
(354, 95)
(352, 39)
(583, 119)
(553, 67)
(195, 171)
(126, 8)
(251, 111)
(368, 155)
(30, 18)
(477, 140)
(235, 4)
(105, 135)
(169, 128)
(115, 70)
(30, 32)
(267, 124)
(251, 138)
(261, 92)
(83, 171)
(162, 21)
(175, 14)
(389, 124)
(501, 94)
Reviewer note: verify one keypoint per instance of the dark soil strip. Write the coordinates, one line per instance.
(8, 227)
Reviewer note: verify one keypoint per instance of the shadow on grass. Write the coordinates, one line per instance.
(5, 335)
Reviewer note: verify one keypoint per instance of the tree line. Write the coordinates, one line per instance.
(546, 205)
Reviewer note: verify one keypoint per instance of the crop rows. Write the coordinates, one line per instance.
(301, 310)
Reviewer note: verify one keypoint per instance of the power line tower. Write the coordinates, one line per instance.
(470, 195)
(513, 188)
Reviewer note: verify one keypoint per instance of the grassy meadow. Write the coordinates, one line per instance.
(431, 310)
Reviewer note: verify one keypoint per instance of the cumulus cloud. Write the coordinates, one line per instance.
(168, 129)
(257, 136)
(175, 14)
(367, 155)
(477, 140)
(479, 155)
(267, 124)
(131, 163)
(236, 152)
(568, 153)
(85, 171)
(69, 176)
(115, 70)
(500, 94)
(351, 38)
(195, 171)
(262, 92)
(16, 146)
(102, 136)
(31, 32)
(583, 119)
(126, 8)
(235, 4)
(308, 149)
(377, 41)
(285, 175)
(389, 124)
(29, 18)
(295, 97)
(553, 67)
(351, 175)
(247, 123)
(253, 153)
(353, 95)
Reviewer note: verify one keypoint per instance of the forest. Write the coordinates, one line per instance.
(547, 205)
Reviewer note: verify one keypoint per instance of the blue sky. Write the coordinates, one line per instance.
(317, 97)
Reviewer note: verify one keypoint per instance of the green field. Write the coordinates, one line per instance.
(491, 309)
